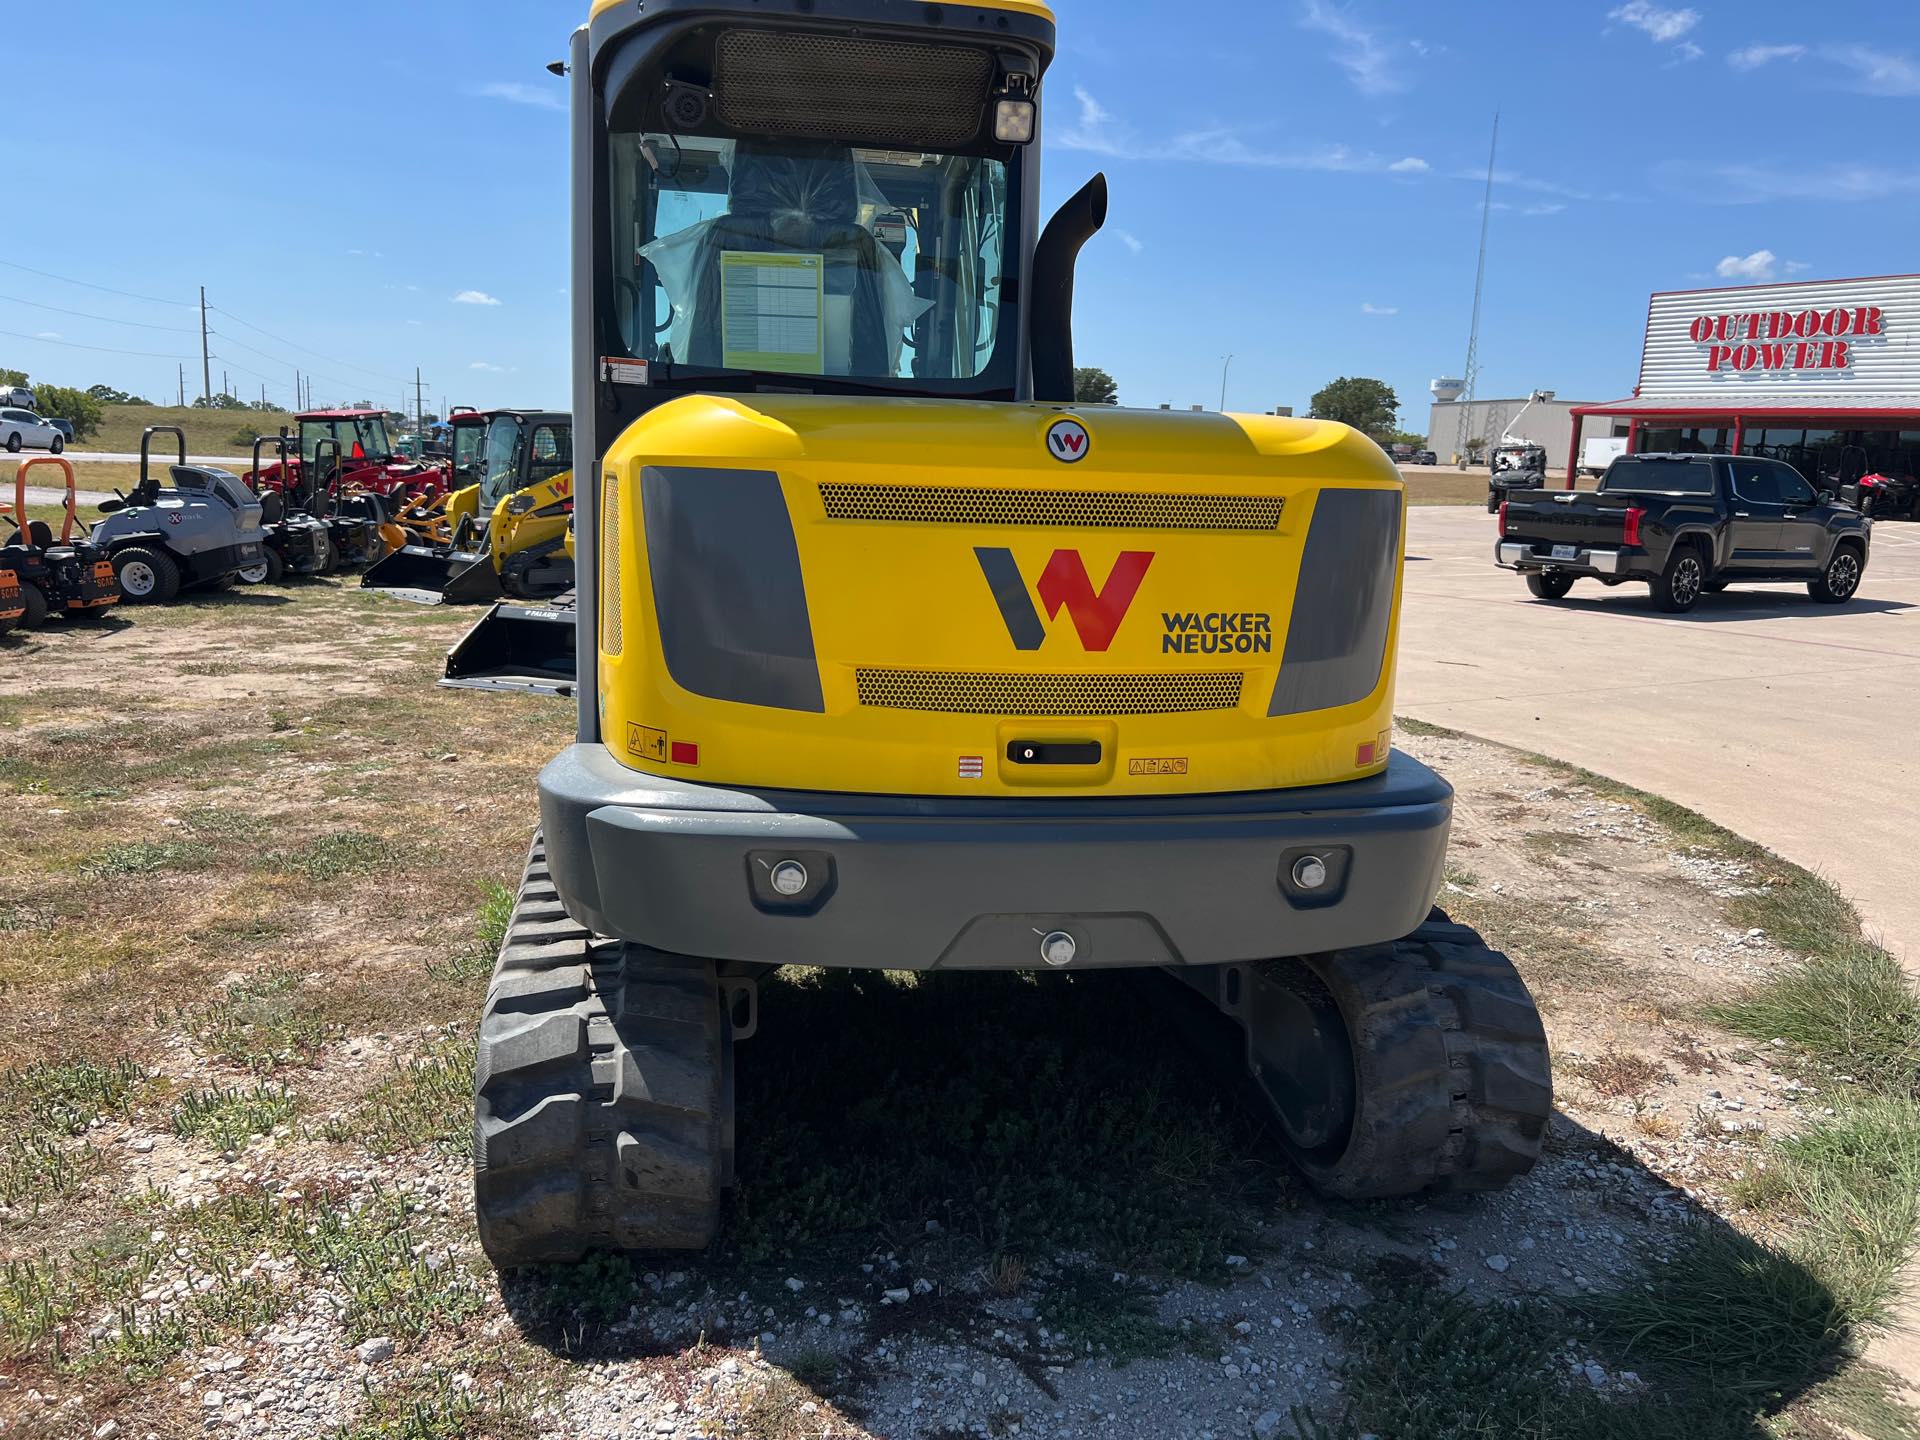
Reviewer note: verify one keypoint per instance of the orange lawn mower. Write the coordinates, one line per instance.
(71, 576)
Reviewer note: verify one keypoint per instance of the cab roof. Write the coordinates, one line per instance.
(1022, 7)
(338, 414)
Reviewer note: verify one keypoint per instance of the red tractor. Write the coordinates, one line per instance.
(368, 463)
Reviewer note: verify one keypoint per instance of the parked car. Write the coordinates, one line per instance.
(19, 397)
(1687, 525)
(65, 427)
(1425, 457)
(24, 430)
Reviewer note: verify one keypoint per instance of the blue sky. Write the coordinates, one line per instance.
(368, 187)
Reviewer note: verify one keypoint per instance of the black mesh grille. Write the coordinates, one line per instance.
(957, 692)
(821, 87)
(1068, 509)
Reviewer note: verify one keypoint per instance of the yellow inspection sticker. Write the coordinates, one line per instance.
(773, 312)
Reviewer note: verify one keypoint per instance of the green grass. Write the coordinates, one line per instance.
(1116, 1318)
(475, 960)
(426, 1104)
(264, 1022)
(42, 1107)
(1852, 1008)
(228, 1118)
(432, 1407)
(1030, 1113)
(145, 857)
(337, 856)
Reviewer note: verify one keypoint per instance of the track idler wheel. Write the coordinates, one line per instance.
(603, 1091)
(1392, 1069)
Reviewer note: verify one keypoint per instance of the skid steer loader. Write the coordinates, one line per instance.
(900, 659)
(506, 534)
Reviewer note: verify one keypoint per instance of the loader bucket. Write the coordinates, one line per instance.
(474, 584)
(416, 573)
(517, 647)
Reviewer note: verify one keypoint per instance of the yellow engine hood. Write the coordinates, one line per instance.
(903, 596)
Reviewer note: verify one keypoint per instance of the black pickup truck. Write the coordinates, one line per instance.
(1686, 525)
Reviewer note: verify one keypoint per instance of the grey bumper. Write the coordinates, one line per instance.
(1584, 561)
(902, 883)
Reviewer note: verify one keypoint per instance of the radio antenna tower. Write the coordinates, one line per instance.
(1471, 372)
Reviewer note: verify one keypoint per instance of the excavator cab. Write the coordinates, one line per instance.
(894, 657)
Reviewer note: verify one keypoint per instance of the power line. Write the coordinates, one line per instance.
(104, 319)
(76, 345)
(288, 364)
(295, 345)
(89, 285)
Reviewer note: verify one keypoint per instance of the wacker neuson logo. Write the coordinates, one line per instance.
(1221, 632)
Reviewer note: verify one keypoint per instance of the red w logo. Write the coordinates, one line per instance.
(1064, 584)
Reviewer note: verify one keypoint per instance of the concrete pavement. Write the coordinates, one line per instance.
(1791, 723)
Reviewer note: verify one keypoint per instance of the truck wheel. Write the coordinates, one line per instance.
(602, 1094)
(1392, 1069)
(1547, 586)
(1680, 584)
(1841, 578)
(147, 577)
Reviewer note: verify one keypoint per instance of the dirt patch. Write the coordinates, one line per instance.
(254, 848)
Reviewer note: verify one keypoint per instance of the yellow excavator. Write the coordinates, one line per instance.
(507, 532)
(894, 656)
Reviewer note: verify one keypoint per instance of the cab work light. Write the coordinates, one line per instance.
(1013, 122)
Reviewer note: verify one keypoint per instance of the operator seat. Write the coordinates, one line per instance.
(796, 197)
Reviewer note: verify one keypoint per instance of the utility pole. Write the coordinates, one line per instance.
(1470, 374)
(225, 388)
(1225, 366)
(183, 385)
(206, 356)
(419, 405)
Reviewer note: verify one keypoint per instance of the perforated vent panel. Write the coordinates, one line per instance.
(956, 692)
(822, 87)
(610, 637)
(1057, 509)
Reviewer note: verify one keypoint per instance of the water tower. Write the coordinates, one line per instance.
(1445, 391)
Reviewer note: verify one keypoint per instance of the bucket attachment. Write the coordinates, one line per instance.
(517, 647)
(474, 584)
(418, 573)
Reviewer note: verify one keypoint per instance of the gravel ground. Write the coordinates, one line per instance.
(925, 1335)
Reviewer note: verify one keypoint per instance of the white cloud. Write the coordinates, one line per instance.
(1132, 241)
(1369, 63)
(1763, 183)
(1661, 26)
(474, 297)
(1687, 50)
(1367, 307)
(490, 369)
(413, 322)
(1545, 207)
(1411, 165)
(1794, 267)
(47, 335)
(1752, 57)
(517, 92)
(371, 254)
(1874, 70)
(1757, 266)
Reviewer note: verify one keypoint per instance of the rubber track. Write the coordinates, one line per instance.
(597, 1091)
(1455, 1082)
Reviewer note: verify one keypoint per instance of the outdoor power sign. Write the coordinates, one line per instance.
(1834, 338)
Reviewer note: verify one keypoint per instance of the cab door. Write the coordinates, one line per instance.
(1757, 511)
(1803, 521)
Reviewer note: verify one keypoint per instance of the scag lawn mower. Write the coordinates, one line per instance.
(68, 576)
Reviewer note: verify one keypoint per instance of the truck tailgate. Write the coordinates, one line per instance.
(1579, 519)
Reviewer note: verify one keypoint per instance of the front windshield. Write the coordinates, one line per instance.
(469, 441)
(500, 465)
(361, 437)
(808, 257)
